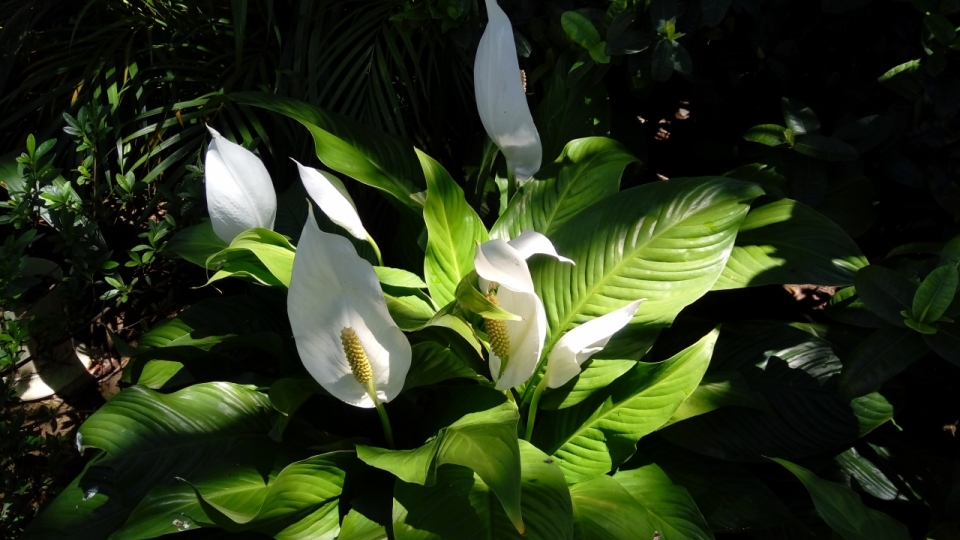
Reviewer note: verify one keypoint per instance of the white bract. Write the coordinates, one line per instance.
(333, 290)
(240, 194)
(502, 268)
(501, 100)
(579, 344)
(332, 197)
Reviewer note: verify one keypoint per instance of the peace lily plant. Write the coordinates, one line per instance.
(250, 412)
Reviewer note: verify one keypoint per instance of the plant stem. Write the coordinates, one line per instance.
(532, 413)
(384, 419)
(376, 249)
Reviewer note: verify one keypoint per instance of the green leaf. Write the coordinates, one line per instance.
(798, 117)
(825, 148)
(884, 354)
(797, 374)
(768, 134)
(731, 499)
(595, 375)
(196, 244)
(946, 342)
(470, 299)
(379, 160)
(941, 28)
(935, 294)
(904, 79)
(727, 389)
(885, 292)
(395, 277)
(664, 60)
(604, 510)
(485, 441)
(433, 363)
(788, 242)
(950, 254)
(662, 12)
(356, 526)
(844, 511)
(638, 245)
(252, 251)
(572, 108)
(860, 471)
(668, 508)
(597, 435)
(715, 10)
(579, 29)
(587, 171)
(409, 312)
(453, 229)
(460, 504)
(139, 420)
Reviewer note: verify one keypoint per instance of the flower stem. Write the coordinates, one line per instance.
(384, 419)
(532, 413)
(376, 249)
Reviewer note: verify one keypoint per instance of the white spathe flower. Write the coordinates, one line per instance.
(333, 199)
(501, 100)
(579, 344)
(519, 343)
(334, 292)
(240, 194)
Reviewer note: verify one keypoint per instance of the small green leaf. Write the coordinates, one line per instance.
(768, 134)
(844, 511)
(395, 277)
(800, 118)
(471, 300)
(259, 253)
(935, 294)
(579, 29)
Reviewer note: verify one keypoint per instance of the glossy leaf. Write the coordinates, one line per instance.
(594, 437)
(379, 160)
(396, 277)
(461, 505)
(262, 254)
(935, 294)
(844, 511)
(595, 376)
(668, 508)
(604, 510)
(767, 134)
(880, 357)
(800, 118)
(637, 245)
(485, 442)
(587, 171)
(788, 242)
(141, 420)
(453, 229)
